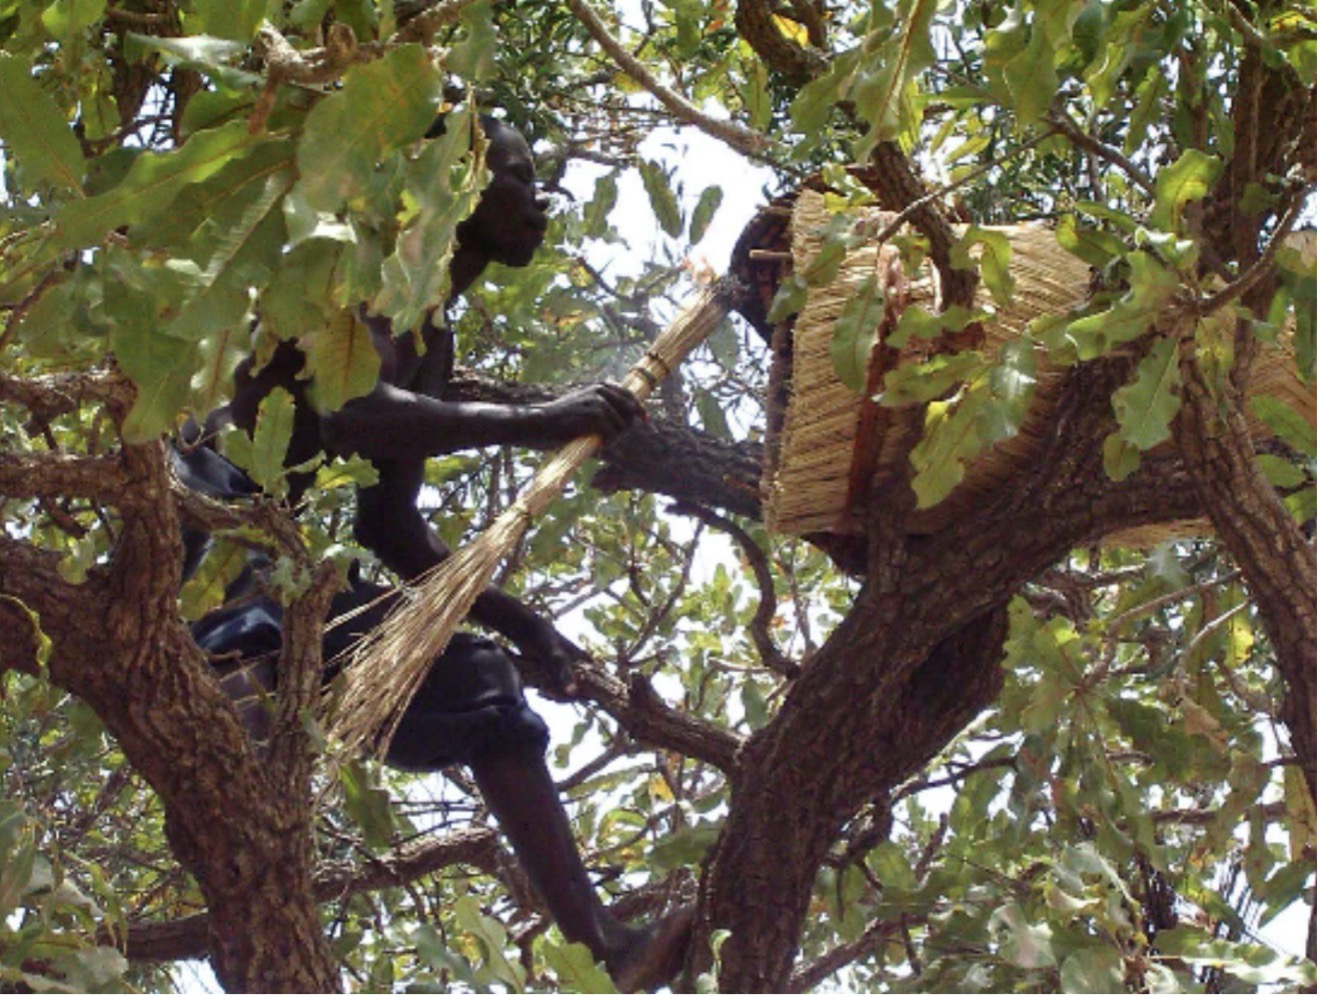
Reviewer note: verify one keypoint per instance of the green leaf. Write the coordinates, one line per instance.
(66, 18)
(474, 58)
(493, 940)
(595, 217)
(444, 184)
(924, 381)
(154, 180)
(342, 361)
(383, 105)
(1254, 964)
(855, 333)
(205, 591)
(1030, 76)
(707, 205)
(811, 107)
(140, 301)
(753, 89)
(1021, 942)
(1286, 423)
(366, 804)
(577, 970)
(883, 89)
(1093, 969)
(236, 19)
(951, 439)
(790, 298)
(1146, 407)
(994, 260)
(34, 131)
(686, 847)
(1186, 179)
(262, 454)
(663, 202)
(1095, 246)
(1151, 287)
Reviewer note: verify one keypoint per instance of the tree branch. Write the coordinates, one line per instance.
(737, 137)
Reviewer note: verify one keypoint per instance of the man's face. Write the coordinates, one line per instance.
(509, 222)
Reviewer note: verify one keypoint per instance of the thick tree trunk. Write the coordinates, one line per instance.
(1276, 559)
(913, 662)
(117, 642)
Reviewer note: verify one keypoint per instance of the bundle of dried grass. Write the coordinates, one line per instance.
(386, 670)
(812, 474)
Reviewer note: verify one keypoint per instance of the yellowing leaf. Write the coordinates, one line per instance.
(791, 29)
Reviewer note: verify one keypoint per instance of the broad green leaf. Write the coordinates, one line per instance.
(205, 591)
(994, 260)
(1095, 246)
(1253, 963)
(824, 266)
(951, 439)
(1022, 942)
(444, 183)
(383, 105)
(1146, 407)
(66, 18)
(707, 205)
(493, 939)
(228, 192)
(883, 89)
(755, 95)
(811, 107)
(924, 381)
(1091, 970)
(242, 243)
(789, 299)
(855, 333)
(474, 57)
(1151, 287)
(237, 20)
(577, 970)
(595, 217)
(1286, 423)
(34, 131)
(342, 361)
(1186, 179)
(262, 454)
(150, 186)
(917, 322)
(685, 847)
(298, 298)
(1012, 384)
(367, 804)
(663, 202)
(1281, 473)
(140, 302)
(1150, 93)
(1030, 76)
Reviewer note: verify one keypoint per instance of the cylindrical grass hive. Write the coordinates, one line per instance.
(819, 428)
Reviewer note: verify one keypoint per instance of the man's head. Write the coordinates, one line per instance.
(509, 222)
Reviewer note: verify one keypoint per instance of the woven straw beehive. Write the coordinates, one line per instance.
(826, 440)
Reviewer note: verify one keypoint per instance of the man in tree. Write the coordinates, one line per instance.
(470, 710)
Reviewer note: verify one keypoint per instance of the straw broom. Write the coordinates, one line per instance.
(390, 663)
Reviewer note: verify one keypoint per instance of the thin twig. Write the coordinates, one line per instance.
(1261, 267)
(907, 213)
(765, 611)
(744, 140)
(1073, 131)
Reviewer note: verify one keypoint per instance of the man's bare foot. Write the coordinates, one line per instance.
(654, 956)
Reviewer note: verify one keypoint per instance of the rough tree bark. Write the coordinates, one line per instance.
(118, 643)
(915, 659)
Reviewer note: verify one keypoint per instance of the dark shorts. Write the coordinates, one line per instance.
(471, 703)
